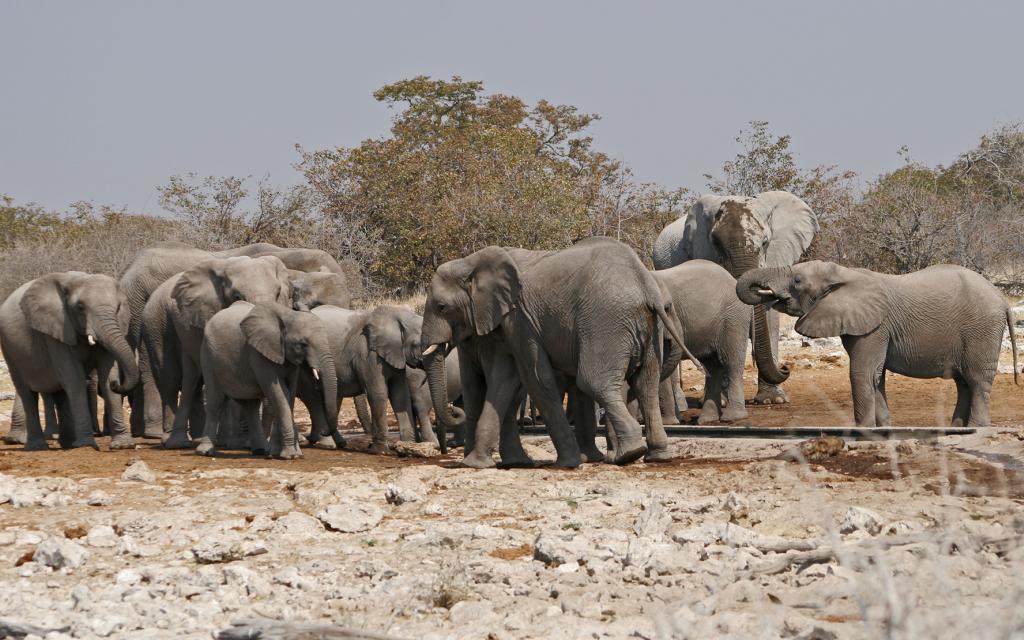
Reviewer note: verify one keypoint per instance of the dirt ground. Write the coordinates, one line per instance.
(735, 538)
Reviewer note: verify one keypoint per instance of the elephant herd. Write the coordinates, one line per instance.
(214, 348)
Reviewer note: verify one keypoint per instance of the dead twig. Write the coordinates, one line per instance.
(279, 630)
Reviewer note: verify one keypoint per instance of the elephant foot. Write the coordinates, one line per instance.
(289, 453)
(36, 445)
(122, 442)
(474, 461)
(734, 414)
(80, 442)
(339, 440)
(568, 461)
(153, 432)
(770, 394)
(957, 423)
(708, 416)
(14, 438)
(590, 455)
(178, 440)
(658, 455)
(629, 451)
(205, 447)
(380, 448)
(670, 419)
(324, 442)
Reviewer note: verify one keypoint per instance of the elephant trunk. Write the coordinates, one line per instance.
(110, 335)
(329, 381)
(749, 284)
(437, 379)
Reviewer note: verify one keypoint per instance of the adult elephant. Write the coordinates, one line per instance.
(740, 233)
(151, 267)
(591, 313)
(54, 330)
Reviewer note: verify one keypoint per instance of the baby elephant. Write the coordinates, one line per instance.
(251, 352)
(716, 328)
(941, 322)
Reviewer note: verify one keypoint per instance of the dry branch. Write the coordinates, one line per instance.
(278, 630)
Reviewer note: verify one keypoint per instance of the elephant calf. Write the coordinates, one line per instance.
(716, 328)
(251, 352)
(371, 351)
(941, 322)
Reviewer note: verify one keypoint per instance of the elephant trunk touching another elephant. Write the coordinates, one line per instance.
(768, 367)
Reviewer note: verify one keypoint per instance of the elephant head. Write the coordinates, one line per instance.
(217, 283)
(742, 233)
(83, 309)
(393, 333)
(829, 299)
(296, 338)
(310, 290)
(467, 297)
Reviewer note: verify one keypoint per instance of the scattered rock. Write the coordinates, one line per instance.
(99, 498)
(139, 471)
(214, 551)
(396, 495)
(415, 449)
(350, 517)
(58, 552)
(861, 519)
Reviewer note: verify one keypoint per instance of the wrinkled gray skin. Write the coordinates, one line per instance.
(255, 352)
(422, 401)
(741, 233)
(310, 290)
(54, 331)
(941, 322)
(716, 327)
(590, 313)
(150, 268)
(371, 350)
(172, 332)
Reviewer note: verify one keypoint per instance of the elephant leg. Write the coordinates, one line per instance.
(474, 394)
(419, 393)
(882, 418)
(677, 391)
(257, 440)
(235, 430)
(498, 401)
(376, 389)
(152, 409)
(215, 404)
(283, 441)
(981, 391)
(510, 445)
(962, 411)
(197, 416)
(191, 381)
(867, 364)
(586, 424)
(711, 409)
(65, 422)
(541, 383)
(92, 393)
(363, 414)
(51, 430)
(72, 380)
(113, 409)
(771, 393)
(732, 379)
(28, 401)
(645, 386)
(401, 403)
(319, 430)
(667, 401)
(18, 433)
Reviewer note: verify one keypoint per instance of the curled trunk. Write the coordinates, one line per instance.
(437, 379)
(748, 282)
(109, 334)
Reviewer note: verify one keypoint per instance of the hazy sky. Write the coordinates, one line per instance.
(104, 100)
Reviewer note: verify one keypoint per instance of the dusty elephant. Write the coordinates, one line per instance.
(716, 326)
(591, 313)
(941, 322)
(371, 350)
(741, 233)
(255, 352)
(173, 322)
(54, 330)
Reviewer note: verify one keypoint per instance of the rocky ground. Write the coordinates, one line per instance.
(736, 538)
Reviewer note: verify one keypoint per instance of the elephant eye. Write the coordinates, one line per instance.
(441, 307)
(797, 279)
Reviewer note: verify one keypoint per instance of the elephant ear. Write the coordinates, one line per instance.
(284, 280)
(851, 303)
(43, 306)
(124, 312)
(384, 335)
(493, 287)
(262, 330)
(196, 293)
(793, 226)
(696, 243)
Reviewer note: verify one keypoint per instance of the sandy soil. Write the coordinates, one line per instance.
(735, 538)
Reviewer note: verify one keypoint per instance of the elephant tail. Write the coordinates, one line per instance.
(1013, 344)
(676, 332)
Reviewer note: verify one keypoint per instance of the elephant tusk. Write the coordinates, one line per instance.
(316, 373)
(91, 339)
(765, 292)
(429, 350)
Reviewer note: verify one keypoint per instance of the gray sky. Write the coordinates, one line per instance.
(104, 100)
